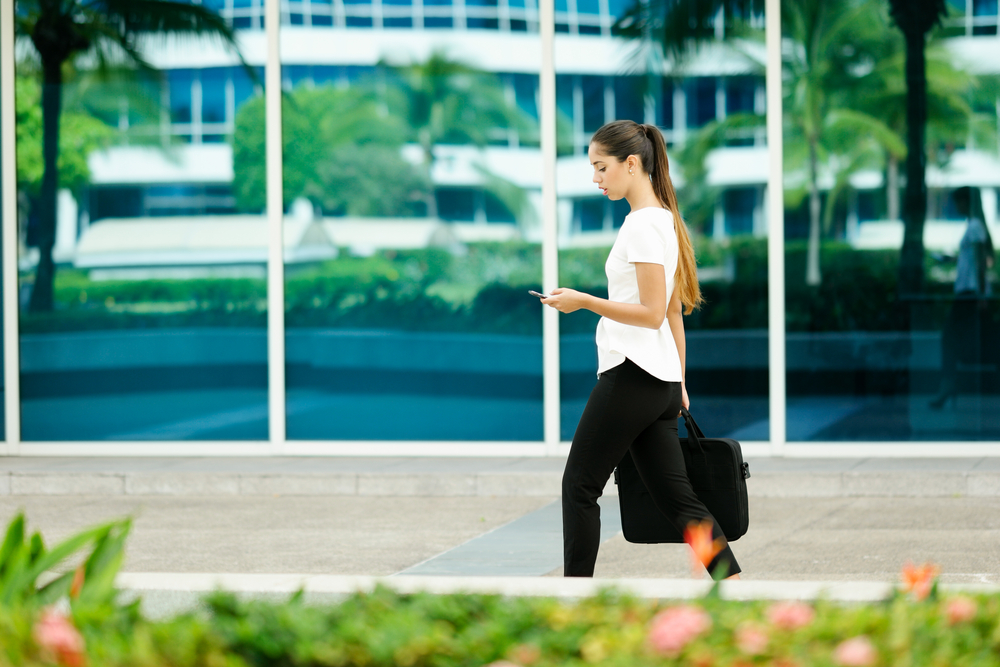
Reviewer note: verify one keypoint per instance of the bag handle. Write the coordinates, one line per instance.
(695, 434)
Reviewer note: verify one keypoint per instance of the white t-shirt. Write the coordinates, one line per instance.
(647, 235)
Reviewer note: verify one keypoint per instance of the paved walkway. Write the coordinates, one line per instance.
(482, 477)
(257, 521)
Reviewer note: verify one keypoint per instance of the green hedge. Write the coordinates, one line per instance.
(386, 629)
(77, 619)
(484, 290)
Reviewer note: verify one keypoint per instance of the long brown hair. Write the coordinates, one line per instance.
(622, 138)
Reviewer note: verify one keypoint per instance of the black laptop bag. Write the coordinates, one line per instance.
(718, 475)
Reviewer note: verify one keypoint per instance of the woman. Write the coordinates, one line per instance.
(963, 329)
(652, 282)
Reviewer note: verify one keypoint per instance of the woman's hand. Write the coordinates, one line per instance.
(685, 401)
(566, 300)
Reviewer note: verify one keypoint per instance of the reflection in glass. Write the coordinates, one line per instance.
(409, 318)
(142, 279)
(880, 349)
(721, 189)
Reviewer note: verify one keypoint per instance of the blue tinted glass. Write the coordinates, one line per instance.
(213, 95)
(437, 22)
(564, 94)
(619, 7)
(984, 7)
(516, 3)
(526, 92)
(481, 3)
(397, 22)
(359, 21)
(243, 86)
(665, 105)
(738, 205)
(482, 24)
(700, 101)
(740, 94)
(325, 74)
(456, 205)
(295, 73)
(322, 20)
(438, 3)
(590, 213)
(180, 95)
(629, 99)
(398, 2)
(588, 6)
(593, 102)
(562, 6)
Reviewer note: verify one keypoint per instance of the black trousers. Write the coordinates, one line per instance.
(628, 410)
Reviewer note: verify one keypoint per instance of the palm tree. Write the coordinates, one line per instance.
(446, 101)
(824, 125)
(915, 19)
(111, 30)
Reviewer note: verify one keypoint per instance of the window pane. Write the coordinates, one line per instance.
(420, 302)
(150, 321)
(727, 358)
(890, 342)
(213, 95)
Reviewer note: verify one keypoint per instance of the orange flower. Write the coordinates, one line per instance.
(919, 580)
(703, 548)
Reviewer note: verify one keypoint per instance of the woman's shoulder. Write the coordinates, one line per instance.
(652, 215)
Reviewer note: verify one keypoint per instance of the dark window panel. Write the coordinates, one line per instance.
(397, 22)
(700, 101)
(628, 99)
(738, 206)
(179, 82)
(437, 22)
(590, 213)
(455, 204)
(213, 94)
(359, 22)
(593, 102)
(665, 107)
(482, 24)
(740, 94)
(497, 211)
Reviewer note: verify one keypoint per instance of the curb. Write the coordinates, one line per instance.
(798, 484)
(681, 589)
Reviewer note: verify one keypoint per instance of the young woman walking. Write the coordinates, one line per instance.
(640, 389)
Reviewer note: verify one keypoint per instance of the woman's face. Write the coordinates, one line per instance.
(611, 176)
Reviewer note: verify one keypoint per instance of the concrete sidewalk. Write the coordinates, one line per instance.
(468, 477)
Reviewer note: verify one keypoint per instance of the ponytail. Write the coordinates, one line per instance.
(622, 138)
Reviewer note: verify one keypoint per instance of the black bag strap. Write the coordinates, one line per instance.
(695, 434)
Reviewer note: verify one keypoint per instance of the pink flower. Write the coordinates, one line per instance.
(55, 634)
(672, 629)
(751, 639)
(790, 615)
(855, 652)
(961, 610)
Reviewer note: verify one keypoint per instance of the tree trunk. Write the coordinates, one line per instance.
(42, 292)
(911, 261)
(813, 275)
(431, 198)
(892, 188)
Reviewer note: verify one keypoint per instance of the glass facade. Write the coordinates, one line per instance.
(413, 322)
(882, 346)
(412, 217)
(142, 272)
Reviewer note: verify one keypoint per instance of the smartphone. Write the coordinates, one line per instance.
(540, 296)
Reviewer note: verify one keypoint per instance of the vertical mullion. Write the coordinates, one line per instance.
(275, 246)
(775, 233)
(8, 128)
(550, 225)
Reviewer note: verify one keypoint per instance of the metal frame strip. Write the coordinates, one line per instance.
(550, 226)
(775, 233)
(275, 215)
(8, 134)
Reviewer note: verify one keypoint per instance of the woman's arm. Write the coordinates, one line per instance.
(648, 313)
(675, 316)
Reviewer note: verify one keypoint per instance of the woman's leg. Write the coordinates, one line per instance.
(625, 401)
(660, 461)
